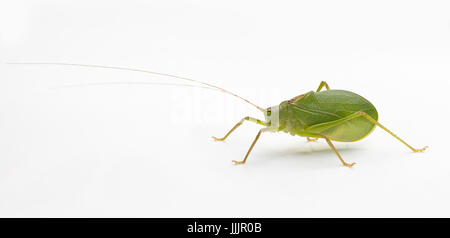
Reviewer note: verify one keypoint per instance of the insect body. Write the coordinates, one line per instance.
(334, 115)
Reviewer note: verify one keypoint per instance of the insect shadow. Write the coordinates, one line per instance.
(315, 155)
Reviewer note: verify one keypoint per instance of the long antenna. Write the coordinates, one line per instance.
(145, 71)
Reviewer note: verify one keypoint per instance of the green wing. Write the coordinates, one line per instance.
(332, 113)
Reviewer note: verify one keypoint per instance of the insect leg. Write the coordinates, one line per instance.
(337, 153)
(325, 126)
(323, 83)
(390, 132)
(251, 147)
(238, 124)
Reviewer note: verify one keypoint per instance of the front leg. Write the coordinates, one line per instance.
(238, 124)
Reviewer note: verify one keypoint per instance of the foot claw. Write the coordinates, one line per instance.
(217, 139)
(349, 165)
(311, 139)
(238, 162)
(421, 150)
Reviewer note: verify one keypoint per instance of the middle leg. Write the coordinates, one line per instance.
(251, 147)
(337, 153)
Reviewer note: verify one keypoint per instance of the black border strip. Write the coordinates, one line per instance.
(260, 226)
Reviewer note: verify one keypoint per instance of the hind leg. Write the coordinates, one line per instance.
(368, 117)
(322, 84)
(325, 126)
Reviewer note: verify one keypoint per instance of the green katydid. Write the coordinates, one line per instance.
(333, 115)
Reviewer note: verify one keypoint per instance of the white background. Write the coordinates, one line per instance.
(78, 142)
